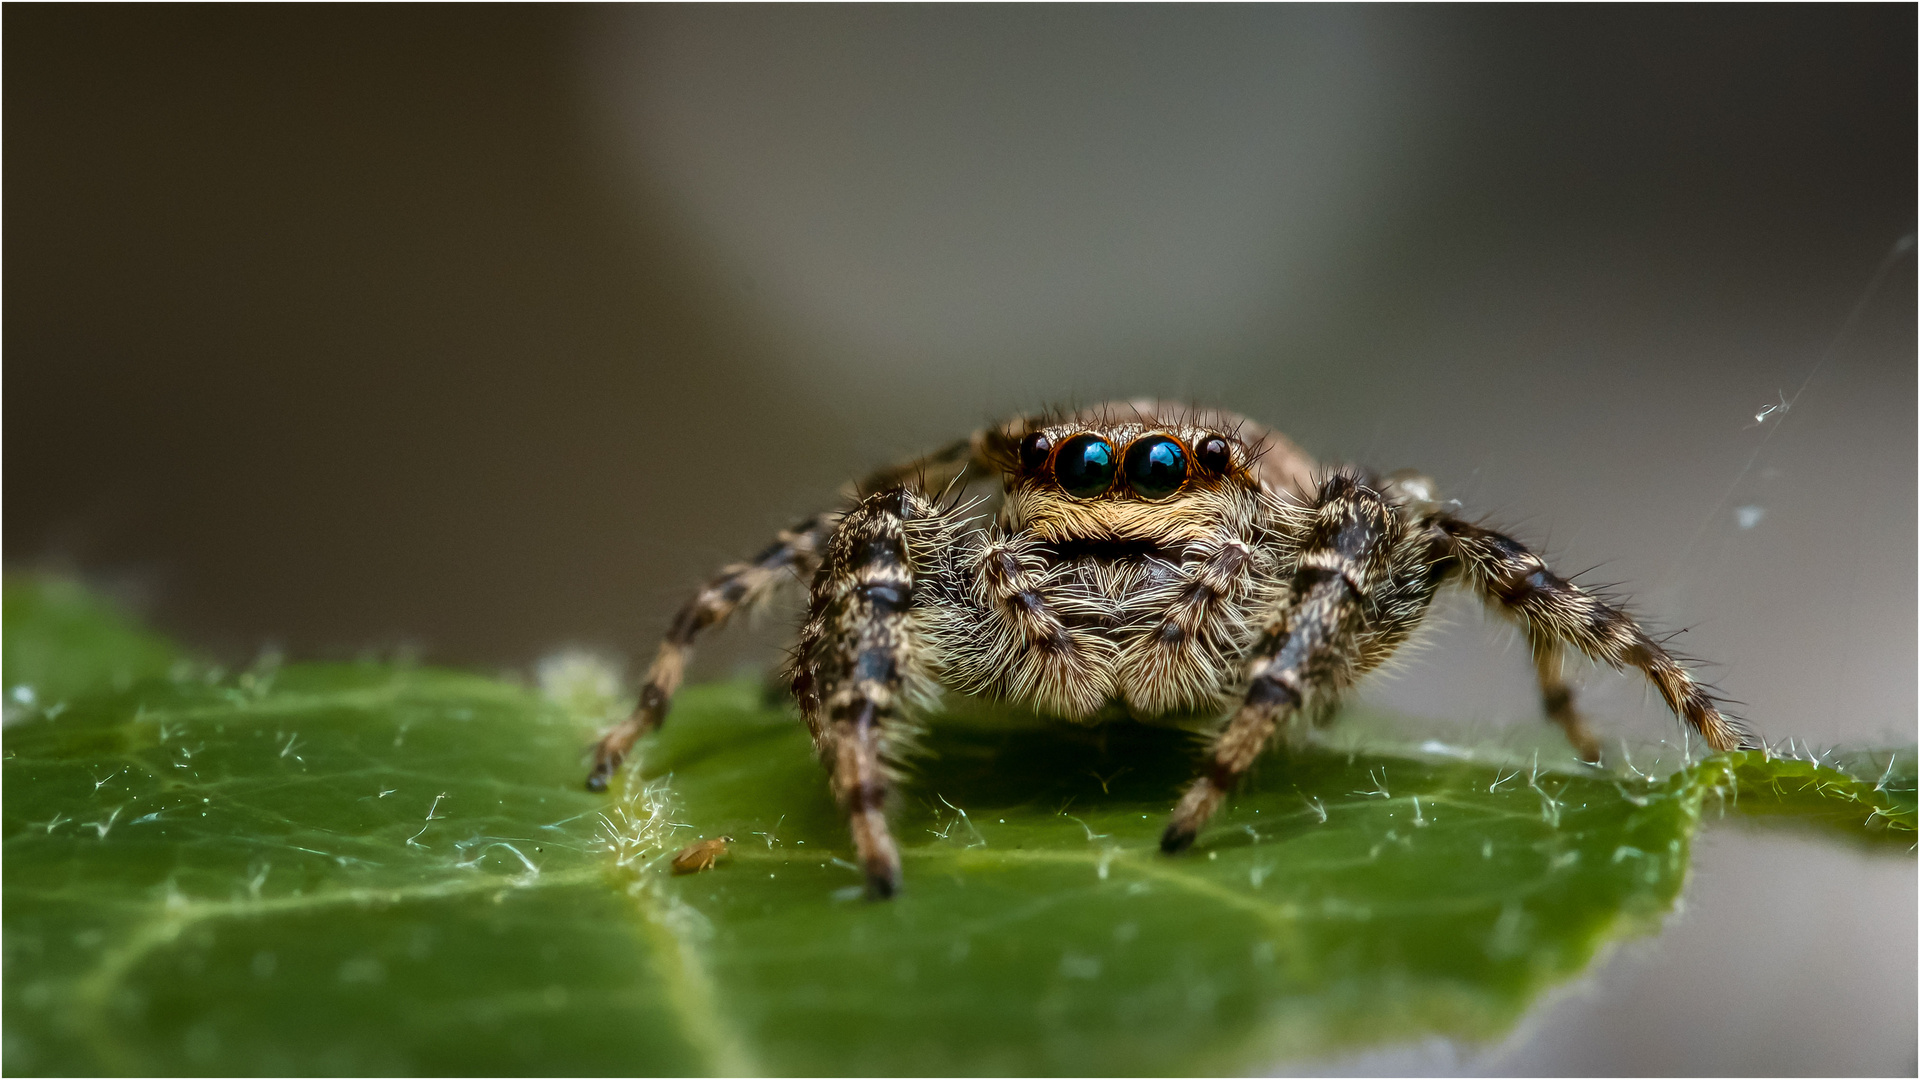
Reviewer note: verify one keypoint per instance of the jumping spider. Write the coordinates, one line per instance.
(1144, 556)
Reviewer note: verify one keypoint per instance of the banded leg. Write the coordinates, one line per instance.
(1347, 555)
(1556, 697)
(1161, 670)
(928, 473)
(794, 554)
(856, 657)
(1556, 612)
(1021, 648)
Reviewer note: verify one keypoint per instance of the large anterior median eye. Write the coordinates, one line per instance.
(1084, 466)
(1155, 467)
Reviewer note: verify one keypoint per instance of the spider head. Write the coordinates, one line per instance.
(1129, 473)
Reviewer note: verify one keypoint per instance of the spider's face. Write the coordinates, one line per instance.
(1137, 482)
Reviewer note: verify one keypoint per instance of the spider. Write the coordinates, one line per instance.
(1145, 558)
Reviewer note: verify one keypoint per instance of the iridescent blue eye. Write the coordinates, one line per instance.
(1156, 466)
(1084, 466)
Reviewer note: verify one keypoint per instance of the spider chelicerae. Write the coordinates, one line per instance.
(1144, 557)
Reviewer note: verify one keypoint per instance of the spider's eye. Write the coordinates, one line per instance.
(1155, 466)
(1084, 466)
(1213, 455)
(1034, 450)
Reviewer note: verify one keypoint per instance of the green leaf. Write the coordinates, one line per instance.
(62, 640)
(1865, 796)
(380, 869)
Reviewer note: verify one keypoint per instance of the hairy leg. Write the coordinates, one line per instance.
(1002, 632)
(1362, 578)
(1212, 604)
(858, 654)
(929, 473)
(1555, 612)
(1556, 697)
(795, 553)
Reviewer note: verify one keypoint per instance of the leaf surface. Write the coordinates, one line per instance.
(381, 869)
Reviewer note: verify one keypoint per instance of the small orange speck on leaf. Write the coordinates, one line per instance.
(700, 855)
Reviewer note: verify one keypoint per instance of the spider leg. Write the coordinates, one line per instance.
(794, 554)
(1194, 643)
(1001, 631)
(859, 652)
(1360, 583)
(1556, 697)
(1555, 613)
(929, 472)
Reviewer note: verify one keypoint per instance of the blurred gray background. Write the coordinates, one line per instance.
(488, 330)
